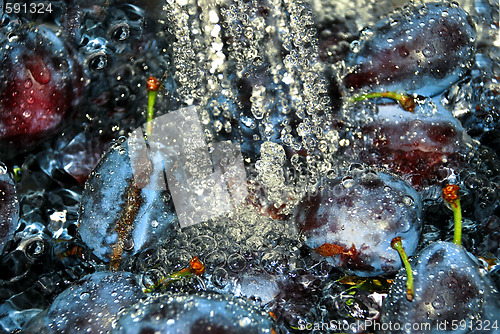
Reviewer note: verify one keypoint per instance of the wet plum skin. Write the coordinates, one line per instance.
(41, 85)
(387, 60)
(207, 313)
(448, 287)
(98, 296)
(120, 203)
(353, 226)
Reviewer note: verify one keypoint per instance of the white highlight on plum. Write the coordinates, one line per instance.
(202, 186)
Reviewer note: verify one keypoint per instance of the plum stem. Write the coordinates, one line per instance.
(153, 84)
(18, 173)
(196, 267)
(405, 101)
(452, 199)
(397, 244)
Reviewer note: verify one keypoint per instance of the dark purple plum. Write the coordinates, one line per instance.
(125, 206)
(195, 314)
(450, 294)
(98, 297)
(352, 221)
(419, 49)
(91, 305)
(417, 145)
(9, 207)
(40, 86)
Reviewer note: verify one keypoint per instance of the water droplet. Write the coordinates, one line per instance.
(28, 83)
(128, 243)
(98, 62)
(348, 182)
(438, 303)
(355, 46)
(408, 200)
(429, 51)
(84, 295)
(245, 322)
(403, 51)
(121, 32)
(12, 37)
(3, 168)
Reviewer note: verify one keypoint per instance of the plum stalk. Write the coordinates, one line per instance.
(196, 267)
(152, 85)
(405, 101)
(397, 244)
(452, 200)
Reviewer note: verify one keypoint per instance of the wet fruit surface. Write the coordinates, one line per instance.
(437, 39)
(122, 210)
(195, 314)
(98, 297)
(41, 84)
(448, 287)
(421, 146)
(352, 221)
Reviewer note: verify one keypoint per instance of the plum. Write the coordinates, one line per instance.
(9, 207)
(417, 145)
(125, 205)
(91, 305)
(450, 294)
(418, 50)
(40, 86)
(200, 314)
(352, 221)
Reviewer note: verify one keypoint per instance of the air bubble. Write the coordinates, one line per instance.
(236, 262)
(121, 32)
(98, 62)
(408, 200)
(438, 303)
(348, 182)
(84, 295)
(429, 51)
(355, 46)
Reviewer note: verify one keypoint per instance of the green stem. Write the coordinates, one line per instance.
(166, 280)
(451, 196)
(405, 101)
(151, 112)
(397, 244)
(457, 219)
